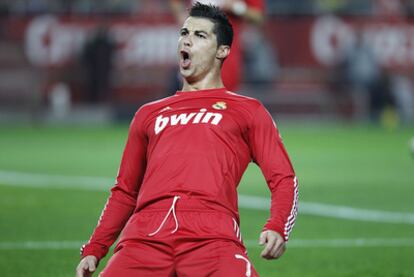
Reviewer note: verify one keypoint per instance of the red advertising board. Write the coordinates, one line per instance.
(299, 41)
(148, 44)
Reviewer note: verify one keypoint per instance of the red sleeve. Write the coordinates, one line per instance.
(121, 203)
(270, 155)
(256, 4)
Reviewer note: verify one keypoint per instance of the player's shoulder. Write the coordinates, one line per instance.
(155, 105)
(241, 97)
(247, 100)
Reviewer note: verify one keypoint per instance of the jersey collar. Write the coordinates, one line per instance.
(201, 92)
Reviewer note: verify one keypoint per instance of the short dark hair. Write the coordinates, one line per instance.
(222, 26)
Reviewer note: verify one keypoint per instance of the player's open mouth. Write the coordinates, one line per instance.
(185, 60)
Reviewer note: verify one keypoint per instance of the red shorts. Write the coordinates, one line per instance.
(191, 242)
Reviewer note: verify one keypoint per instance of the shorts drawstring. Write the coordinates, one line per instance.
(172, 209)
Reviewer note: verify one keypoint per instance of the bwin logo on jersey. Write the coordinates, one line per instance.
(184, 119)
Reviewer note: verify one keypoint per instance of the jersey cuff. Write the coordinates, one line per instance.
(98, 251)
(277, 229)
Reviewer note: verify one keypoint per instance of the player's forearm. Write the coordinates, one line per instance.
(113, 219)
(284, 207)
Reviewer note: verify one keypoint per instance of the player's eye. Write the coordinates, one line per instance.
(183, 33)
(201, 36)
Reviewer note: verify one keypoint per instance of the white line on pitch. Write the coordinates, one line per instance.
(294, 243)
(40, 245)
(36, 180)
(332, 243)
(327, 210)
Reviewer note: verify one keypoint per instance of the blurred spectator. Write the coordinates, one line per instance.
(360, 73)
(262, 67)
(97, 58)
(388, 8)
(59, 99)
(4, 9)
(382, 100)
(408, 7)
(362, 66)
(403, 92)
(238, 11)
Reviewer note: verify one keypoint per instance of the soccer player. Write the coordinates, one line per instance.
(175, 197)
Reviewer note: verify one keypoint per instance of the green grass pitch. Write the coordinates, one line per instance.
(362, 167)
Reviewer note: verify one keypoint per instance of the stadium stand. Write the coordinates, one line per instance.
(305, 45)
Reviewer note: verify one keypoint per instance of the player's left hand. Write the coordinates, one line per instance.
(274, 245)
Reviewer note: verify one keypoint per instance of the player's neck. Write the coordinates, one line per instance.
(209, 82)
(200, 86)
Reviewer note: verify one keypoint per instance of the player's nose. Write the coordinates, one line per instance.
(187, 41)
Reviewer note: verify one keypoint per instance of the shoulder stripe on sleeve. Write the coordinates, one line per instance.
(294, 211)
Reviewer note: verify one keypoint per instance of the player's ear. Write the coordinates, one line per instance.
(222, 52)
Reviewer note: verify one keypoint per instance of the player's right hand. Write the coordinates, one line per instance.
(87, 266)
(274, 244)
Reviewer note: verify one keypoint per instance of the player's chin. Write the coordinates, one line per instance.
(185, 72)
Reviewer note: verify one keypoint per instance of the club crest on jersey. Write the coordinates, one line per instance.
(220, 105)
(202, 116)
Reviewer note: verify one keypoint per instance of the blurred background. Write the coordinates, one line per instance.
(337, 75)
(99, 60)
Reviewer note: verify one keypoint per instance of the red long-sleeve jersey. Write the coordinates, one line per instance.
(199, 144)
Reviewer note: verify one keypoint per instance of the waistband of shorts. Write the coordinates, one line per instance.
(185, 204)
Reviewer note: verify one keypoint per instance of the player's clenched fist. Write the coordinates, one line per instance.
(87, 266)
(274, 245)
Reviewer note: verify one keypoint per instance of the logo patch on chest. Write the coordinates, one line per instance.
(203, 116)
(220, 105)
